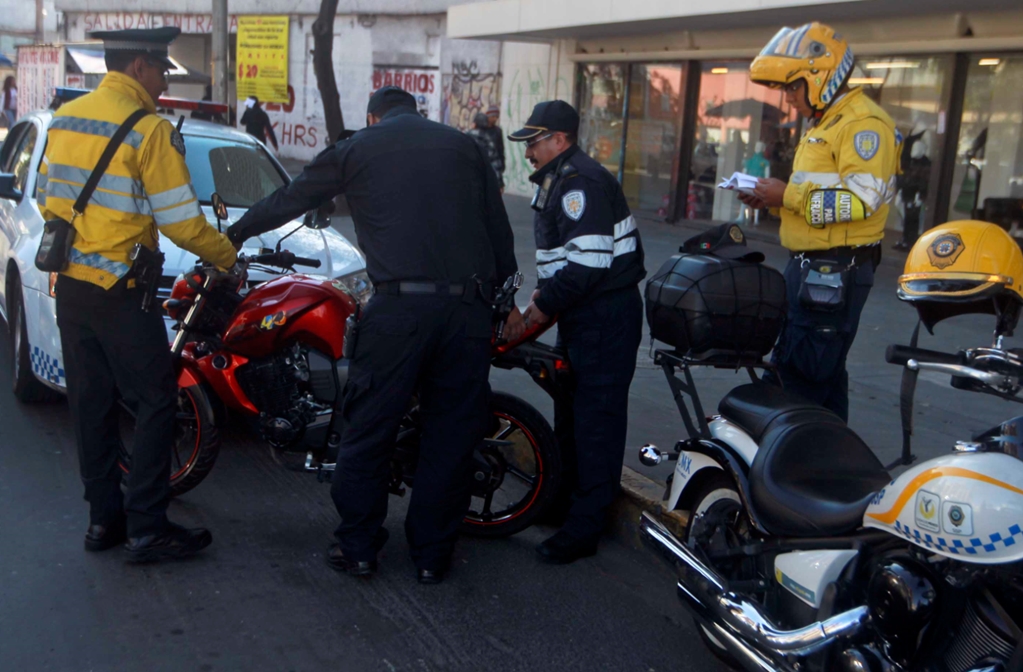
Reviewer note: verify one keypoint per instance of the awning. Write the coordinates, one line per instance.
(89, 59)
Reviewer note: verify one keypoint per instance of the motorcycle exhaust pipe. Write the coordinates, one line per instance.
(706, 594)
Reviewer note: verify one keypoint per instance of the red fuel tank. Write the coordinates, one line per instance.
(294, 308)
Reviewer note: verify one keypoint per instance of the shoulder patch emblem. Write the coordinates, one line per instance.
(178, 142)
(574, 204)
(867, 143)
(945, 249)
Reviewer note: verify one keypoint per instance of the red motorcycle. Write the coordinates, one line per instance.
(275, 354)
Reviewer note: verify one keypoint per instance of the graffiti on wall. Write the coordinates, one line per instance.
(469, 92)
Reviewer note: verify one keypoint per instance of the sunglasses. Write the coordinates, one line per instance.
(535, 141)
(162, 67)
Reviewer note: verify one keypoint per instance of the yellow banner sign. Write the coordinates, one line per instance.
(262, 58)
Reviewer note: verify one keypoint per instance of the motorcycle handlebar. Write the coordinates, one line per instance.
(901, 354)
(283, 259)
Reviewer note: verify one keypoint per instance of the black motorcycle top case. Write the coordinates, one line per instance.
(702, 305)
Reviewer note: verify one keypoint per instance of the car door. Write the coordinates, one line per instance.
(12, 159)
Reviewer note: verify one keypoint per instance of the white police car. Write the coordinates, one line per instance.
(220, 158)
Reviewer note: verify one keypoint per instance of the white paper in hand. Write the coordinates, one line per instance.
(740, 182)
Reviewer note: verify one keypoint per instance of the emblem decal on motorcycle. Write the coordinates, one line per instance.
(945, 249)
(271, 322)
(866, 144)
(958, 519)
(927, 506)
(685, 464)
(574, 204)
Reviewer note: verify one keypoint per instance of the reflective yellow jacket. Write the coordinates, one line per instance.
(145, 190)
(843, 178)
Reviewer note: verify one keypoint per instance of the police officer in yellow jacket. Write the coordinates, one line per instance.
(833, 208)
(110, 344)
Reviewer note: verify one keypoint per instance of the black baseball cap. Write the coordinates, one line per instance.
(149, 41)
(550, 116)
(725, 240)
(388, 98)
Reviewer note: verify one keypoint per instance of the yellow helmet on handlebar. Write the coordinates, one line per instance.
(814, 53)
(964, 267)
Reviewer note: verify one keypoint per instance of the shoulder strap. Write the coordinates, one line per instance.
(104, 160)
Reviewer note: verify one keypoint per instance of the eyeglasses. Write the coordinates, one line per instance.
(162, 67)
(535, 141)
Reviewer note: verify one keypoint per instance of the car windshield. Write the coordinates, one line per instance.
(241, 173)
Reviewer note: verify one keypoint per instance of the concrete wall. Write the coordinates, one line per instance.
(532, 73)
(18, 24)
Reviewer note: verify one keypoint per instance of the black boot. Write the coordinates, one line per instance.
(563, 548)
(173, 543)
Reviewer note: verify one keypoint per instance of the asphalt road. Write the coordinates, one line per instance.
(262, 599)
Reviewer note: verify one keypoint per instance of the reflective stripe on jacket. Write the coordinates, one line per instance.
(145, 190)
(843, 178)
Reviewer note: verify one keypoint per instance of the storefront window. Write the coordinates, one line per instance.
(741, 126)
(988, 177)
(601, 105)
(653, 136)
(911, 89)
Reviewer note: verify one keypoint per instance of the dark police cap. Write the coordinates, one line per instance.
(387, 98)
(726, 241)
(549, 117)
(150, 41)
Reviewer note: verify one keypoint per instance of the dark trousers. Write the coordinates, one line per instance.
(112, 349)
(813, 346)
(440, 348)
(602, 338)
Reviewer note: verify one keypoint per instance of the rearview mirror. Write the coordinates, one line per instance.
(7, 188)
(320, 217)
(219, 208)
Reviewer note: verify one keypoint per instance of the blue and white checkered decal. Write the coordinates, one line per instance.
(972, 546)
(45, 366)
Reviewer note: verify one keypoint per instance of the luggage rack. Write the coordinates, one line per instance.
(671, 360)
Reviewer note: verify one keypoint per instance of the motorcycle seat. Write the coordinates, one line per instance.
(812, 476)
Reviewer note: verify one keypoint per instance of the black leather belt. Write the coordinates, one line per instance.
(855, 255)
(409, 287)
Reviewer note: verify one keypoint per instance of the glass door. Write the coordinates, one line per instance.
(653, 135)
(601, 111)
(987, 182)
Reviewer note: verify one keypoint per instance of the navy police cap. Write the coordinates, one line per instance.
(150, 41)
(550, 116)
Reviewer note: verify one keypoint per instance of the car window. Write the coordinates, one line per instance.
(22, 157)
(241, 173)
(7, 151)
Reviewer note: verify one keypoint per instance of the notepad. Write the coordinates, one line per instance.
(740, 182)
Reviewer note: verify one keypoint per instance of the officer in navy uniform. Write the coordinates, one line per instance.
(429, 217)
(589, 262)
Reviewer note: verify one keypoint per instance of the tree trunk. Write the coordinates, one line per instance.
(323, 66)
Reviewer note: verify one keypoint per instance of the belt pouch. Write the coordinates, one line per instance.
(823, 285)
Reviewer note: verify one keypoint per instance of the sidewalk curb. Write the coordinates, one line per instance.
(639, 494)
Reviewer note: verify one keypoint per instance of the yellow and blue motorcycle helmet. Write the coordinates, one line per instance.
(963, 267)
(814, 53)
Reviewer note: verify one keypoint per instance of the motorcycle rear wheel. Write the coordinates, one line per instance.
(529, 468)
(717, 510)
(196, 440)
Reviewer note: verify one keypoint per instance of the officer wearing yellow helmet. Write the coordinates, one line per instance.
(110, 343)
(833, 208)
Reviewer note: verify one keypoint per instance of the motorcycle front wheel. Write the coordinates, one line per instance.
(516, 473)
(196, 441)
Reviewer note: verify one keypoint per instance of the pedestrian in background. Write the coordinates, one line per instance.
(257, 122)
(589, 262)
(481, 133)
(113, 348)
(10, 106)
(431, 222)
(833, 207)
(493, 116)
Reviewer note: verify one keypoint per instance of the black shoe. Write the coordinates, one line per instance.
(105, 537)
(901, 246)
(337, 560)
(173, 543)
(562, 549)
(429, 577)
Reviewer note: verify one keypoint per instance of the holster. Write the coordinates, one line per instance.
(147, 268)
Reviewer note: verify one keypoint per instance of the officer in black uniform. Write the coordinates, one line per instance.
(589, 261)
(430, 219)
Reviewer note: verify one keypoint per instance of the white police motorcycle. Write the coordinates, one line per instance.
(801, 551)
